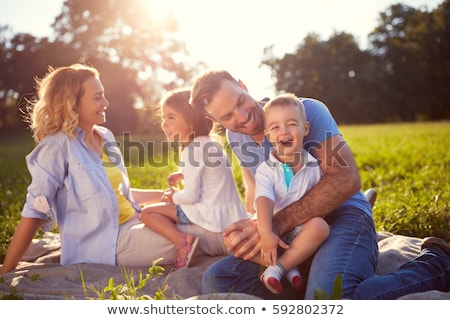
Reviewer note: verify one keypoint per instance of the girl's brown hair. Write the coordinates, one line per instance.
(178, 100)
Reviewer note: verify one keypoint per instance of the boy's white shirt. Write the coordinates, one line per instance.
(270, 181)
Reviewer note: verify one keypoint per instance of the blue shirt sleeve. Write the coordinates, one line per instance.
(322, 123)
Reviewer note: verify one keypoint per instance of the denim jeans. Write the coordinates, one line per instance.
(181, 215)
(351, 251)
(428, 271)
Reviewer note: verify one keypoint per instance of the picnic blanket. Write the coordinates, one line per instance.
(40, 276)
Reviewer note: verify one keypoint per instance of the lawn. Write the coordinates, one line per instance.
(406, 163)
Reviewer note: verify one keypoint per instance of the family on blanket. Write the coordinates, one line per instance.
(304, 233)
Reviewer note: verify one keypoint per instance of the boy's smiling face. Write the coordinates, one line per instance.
(286, 128)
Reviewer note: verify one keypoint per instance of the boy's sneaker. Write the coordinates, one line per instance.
(295, 279)
(271, 277)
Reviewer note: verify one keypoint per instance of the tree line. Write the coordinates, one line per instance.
(403, 75)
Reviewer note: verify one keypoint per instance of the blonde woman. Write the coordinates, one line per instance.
(79, 180)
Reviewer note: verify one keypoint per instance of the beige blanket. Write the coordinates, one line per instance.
(40, 276)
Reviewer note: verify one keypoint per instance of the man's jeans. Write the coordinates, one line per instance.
(429, 271)
(351, 251)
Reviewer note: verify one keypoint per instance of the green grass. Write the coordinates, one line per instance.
(14, 179)
(131, 288)
(408, 164)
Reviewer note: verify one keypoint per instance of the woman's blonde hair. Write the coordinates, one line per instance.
(58, 94)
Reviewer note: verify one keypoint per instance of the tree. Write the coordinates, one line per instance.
(123, 38)
(413, 45)
(24, 57)
(137, 56)
(334, 71)
(403, 76)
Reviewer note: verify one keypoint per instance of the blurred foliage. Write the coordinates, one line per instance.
(404, 75)
(138, 58)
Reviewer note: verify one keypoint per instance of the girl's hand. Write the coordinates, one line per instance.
(168, 194)
(174, 178)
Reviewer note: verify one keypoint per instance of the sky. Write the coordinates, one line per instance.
(232, 34)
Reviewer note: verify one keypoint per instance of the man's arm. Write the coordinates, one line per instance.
(242, 237)
(250, 185)
(339, 182)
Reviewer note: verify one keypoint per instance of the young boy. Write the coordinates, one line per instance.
(285, 177)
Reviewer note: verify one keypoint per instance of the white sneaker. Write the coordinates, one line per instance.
(295, 279)
(271, 277)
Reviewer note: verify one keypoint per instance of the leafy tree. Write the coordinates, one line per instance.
(403, 76)
(24, 57)
(137, 56)
(437, 48)
(334, 71)
(121, 38)
(413, 45)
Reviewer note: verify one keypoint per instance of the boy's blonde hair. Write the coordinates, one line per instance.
(287, 99)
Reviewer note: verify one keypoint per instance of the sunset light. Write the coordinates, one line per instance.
(232, 35)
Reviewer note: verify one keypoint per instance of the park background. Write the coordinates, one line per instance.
(388, 91)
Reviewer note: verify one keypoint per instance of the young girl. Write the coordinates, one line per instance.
(209, 198)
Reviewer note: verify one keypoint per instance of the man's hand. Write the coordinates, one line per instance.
(242, 238)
